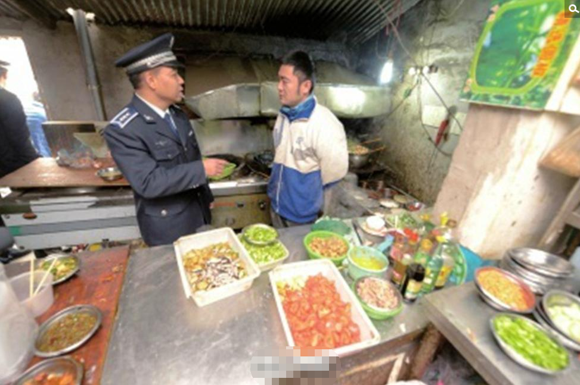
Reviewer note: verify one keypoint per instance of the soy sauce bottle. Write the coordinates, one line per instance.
(413, 281)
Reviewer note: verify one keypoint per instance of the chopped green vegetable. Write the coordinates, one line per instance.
(265, 254)
(261, 234)
(531, 343)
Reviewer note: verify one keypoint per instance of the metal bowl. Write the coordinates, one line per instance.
(558, 297)
(93, 310)
(542, 319)
(495, 302)
(262, 226)
(542, 262)
(110, 174)
(51, 257)
(358, 161)
(516, 356)
(60, 365)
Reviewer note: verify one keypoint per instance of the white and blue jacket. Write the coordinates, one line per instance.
(311, 155)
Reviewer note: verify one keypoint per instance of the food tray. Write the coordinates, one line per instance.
(495, 302)
(60, 365)
(199, 241)
(93, 310)
(516, 356)
(49, 259)
(369, 334)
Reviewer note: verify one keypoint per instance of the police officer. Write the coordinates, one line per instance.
(155, 147)
(16, 148)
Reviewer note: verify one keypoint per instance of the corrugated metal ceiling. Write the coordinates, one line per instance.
(351, 20)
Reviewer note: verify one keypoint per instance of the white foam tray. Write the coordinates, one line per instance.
(369, 334)
(199, 241)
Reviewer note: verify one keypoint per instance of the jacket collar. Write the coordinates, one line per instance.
(301, 111)
(152, 117)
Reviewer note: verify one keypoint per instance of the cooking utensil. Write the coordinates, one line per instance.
(78, 309)
(358, 161)
(60, 365)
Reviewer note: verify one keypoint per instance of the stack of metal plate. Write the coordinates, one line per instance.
(542, 271)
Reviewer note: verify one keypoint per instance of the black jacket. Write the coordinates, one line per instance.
(172, 196)
(16, 149)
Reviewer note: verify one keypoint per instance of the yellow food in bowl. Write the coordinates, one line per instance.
(368, 263)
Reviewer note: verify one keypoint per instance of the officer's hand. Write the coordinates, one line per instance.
(214, 167)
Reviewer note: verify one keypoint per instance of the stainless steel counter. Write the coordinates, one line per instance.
(463, 318)
(160, 337)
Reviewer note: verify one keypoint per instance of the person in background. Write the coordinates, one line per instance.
(16, 148)
(35, 116)
(155, 147)
(311, 149)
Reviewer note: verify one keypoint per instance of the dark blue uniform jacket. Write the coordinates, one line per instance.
(166, 173)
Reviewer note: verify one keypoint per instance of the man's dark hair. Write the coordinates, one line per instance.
(303, 66)
(136, 80)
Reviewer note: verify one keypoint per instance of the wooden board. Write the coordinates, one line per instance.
(98, 282)
(45, 172)
(565, 156)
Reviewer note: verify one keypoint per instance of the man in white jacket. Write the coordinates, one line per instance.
(311, 150)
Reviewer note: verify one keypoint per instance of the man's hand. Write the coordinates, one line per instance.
(214, 167)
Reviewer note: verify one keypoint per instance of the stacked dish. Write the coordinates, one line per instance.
(540, 270)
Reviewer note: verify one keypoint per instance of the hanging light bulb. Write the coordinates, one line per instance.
(387, 72)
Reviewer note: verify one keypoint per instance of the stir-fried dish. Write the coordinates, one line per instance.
(52, 379)
(62, 267)
(67, 331)
(213, 266)
(331, 247)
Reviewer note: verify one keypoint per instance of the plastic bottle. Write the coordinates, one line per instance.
(423, 255)
(432, 271)
(400, 269)
(448, 264)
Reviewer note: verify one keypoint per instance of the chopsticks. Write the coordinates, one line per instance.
(44, 277)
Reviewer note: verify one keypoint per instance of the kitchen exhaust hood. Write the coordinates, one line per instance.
(229, 88)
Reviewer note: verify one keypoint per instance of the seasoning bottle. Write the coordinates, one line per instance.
(400, 269)
(396, 256)
(448, 264)
(413, 282)
(424, 253)
(432, 271)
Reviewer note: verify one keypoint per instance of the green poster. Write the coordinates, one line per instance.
(519, 57)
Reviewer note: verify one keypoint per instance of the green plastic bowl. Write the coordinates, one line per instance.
(374, 312)
(324, 234)
(355, 271)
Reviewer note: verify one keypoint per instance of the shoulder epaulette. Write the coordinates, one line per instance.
(124, 117)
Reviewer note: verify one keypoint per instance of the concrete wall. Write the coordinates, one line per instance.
(494, 188)
(57, 63)
(435, 32)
